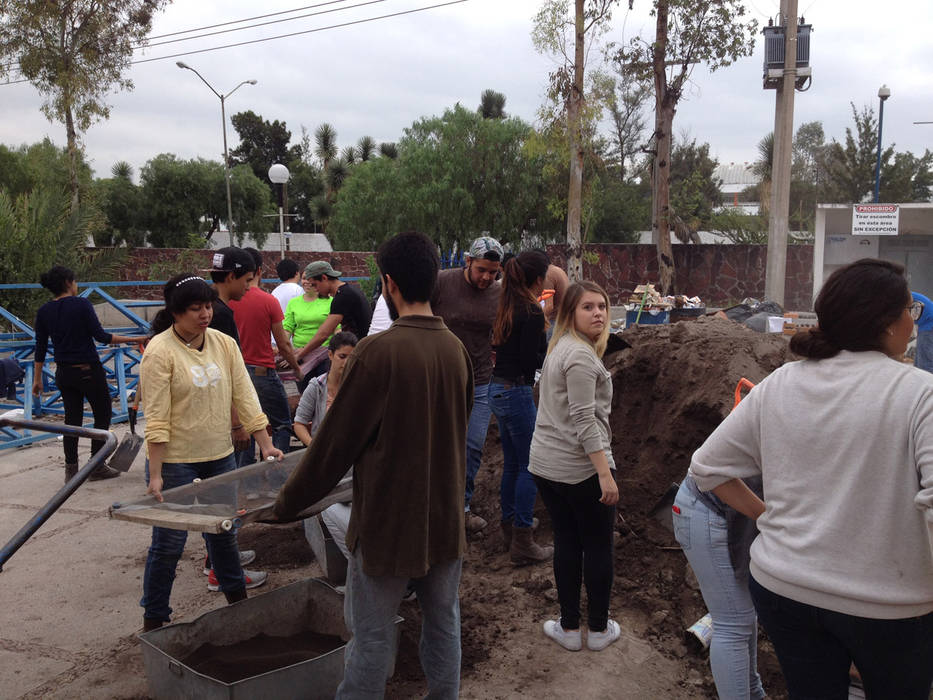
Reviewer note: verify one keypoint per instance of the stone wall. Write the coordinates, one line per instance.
(720, 275)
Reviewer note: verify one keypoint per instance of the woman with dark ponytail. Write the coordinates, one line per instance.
(519, 342)
(842, 569)
(190, 375)
(70, 322)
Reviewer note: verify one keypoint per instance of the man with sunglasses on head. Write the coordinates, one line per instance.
(467, 300)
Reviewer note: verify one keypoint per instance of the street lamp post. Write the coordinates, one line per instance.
(223, 118)
(279, 175)
(884, 92)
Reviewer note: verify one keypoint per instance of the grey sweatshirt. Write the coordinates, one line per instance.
(574, 402)
(845, 450)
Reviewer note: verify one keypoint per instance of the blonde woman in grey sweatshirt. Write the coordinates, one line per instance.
(842, 568)
(571, 461)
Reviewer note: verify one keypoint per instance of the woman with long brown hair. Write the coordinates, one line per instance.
(519, 341)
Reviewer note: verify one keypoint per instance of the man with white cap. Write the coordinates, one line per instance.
(467, 300)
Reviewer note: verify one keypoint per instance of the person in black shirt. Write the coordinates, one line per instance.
(73, 326)
(519, 341)
(232, 269)
(349, 309)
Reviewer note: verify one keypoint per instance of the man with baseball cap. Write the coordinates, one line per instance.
(232, 270)
(349, 308)
(467, 300)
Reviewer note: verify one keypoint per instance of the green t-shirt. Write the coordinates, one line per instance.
(303, 318)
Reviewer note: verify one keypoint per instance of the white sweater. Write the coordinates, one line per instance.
(845, 449)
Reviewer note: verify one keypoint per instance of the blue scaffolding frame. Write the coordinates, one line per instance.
(121, 363)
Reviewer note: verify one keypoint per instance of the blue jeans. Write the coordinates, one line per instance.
(274, 403)
(168, 544)
(515, 411)
(476, 438)
(923, 358)
(733, 652)
(816, 647)
(370, 607)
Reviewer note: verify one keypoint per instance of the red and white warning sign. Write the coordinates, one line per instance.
(875, 219)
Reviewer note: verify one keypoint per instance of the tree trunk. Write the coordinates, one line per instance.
(574, 117)
(663, 124)
(72, 137)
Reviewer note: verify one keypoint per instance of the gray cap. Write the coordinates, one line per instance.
(321, 267)
(486, 248)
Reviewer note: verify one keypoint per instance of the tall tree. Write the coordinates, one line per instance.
(262, 143)
(687, 32)
(626, 94)
(552, 32)
(74, 52)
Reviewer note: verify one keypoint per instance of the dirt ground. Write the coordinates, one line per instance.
(69, 599)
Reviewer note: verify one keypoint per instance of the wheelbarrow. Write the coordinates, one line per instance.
(56, 502)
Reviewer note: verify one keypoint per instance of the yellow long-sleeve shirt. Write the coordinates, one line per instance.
(187, 394)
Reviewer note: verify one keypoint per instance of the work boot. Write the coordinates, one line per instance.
(525, 550)
(70, 471)
(506, 526)
(150, 623)
(473, 522)
(103, 472)
(235, 596)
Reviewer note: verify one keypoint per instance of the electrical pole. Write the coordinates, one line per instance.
(776, 267)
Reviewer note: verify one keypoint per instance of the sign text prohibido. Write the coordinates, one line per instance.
(875, 219)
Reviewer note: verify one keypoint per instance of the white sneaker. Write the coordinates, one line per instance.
(597, 641)
(569, 639)
(247, 556)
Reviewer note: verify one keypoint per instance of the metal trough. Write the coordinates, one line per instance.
(306, 606)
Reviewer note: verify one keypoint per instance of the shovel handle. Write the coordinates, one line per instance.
(743, 384)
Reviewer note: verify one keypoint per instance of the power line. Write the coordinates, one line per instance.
(147, 43)
(282, 36)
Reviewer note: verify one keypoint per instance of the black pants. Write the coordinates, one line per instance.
(582, 548)
(77, 383)
(816, 647)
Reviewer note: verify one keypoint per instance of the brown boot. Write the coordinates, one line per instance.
(235, 596)
(70, 471)
(524, 550)
(150, 624)
(506, 527)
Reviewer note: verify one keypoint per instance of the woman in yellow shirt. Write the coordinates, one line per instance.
(190, 376)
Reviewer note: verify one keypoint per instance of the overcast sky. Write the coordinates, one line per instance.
(376, 78)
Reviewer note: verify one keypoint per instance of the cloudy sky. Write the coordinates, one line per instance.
(375, 78)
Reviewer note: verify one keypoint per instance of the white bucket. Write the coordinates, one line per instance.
(776, 324)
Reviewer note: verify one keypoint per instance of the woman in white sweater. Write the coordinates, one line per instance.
(842, 570)
(571, 460)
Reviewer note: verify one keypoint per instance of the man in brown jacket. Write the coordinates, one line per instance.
(400, 421)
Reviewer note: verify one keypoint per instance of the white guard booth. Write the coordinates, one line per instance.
(902, 233)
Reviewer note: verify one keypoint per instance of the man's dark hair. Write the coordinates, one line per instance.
(411, 260)
(57, 279)
(257, 258)
(286, 269)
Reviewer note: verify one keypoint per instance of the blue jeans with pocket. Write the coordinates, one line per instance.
(817, 646)
(274, 403)
(515, 410)
(733, 652)
(370, 606)
(168, 544)
(477, 428)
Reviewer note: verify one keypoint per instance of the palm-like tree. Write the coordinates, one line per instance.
(762, 170)
(387, 149)
(348, 155)
(492, 105)
(122, 170)
(336, 173)
(325, 140)
(366, 148)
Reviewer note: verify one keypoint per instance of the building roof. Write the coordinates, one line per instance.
(298, 242)
(735, 177)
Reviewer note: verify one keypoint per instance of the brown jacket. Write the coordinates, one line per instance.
(400, 421)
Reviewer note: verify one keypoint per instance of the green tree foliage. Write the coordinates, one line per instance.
(121, 203)
(369, 209)
(39, 166)
(74, 53)
(740, 227)
(492, 105)
(38, 230)
(184, 201)
(695, 191)
(262, 143)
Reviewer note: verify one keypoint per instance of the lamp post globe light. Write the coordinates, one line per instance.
(279, 175)
(223, 119)
(884, 92)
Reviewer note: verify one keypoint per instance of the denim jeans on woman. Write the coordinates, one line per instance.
(515, 410)
(816, 647)
(168, 544)
(733, 652)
